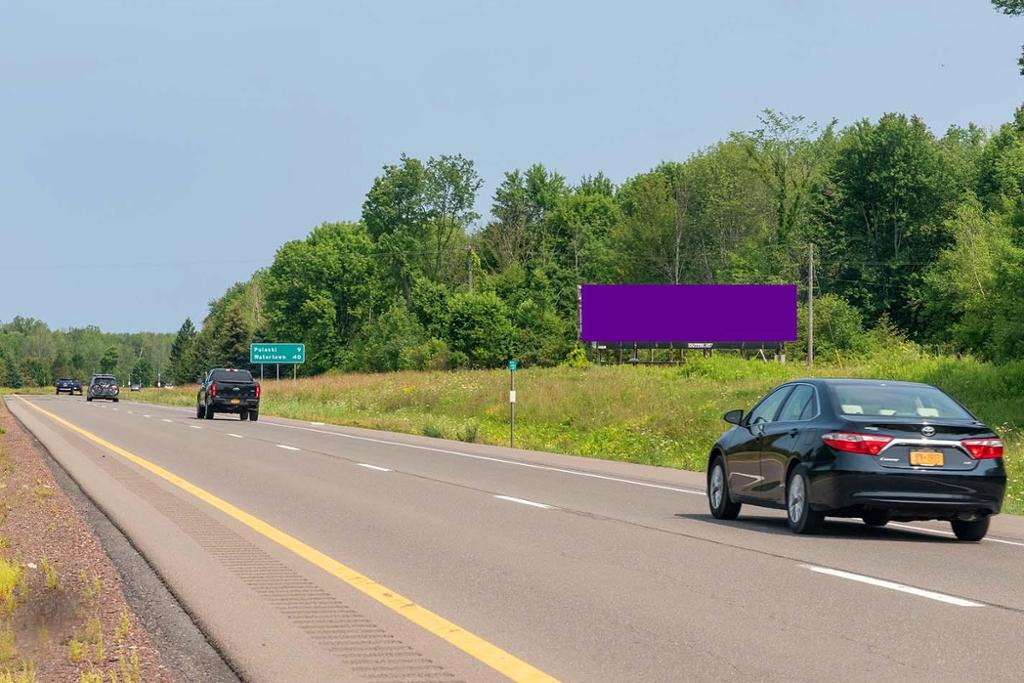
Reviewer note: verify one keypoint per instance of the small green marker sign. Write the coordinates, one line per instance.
(512, 365)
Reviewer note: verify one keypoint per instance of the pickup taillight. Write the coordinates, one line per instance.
(257, 390)
(213, 390)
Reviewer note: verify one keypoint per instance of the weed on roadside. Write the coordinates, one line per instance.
(24, 674)
(49, 573)
(11, 580)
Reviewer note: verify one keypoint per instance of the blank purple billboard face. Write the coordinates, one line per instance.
(688, 313)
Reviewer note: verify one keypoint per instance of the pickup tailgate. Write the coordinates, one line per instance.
(229, 390)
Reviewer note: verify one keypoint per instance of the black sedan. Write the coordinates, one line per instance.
(872, 449)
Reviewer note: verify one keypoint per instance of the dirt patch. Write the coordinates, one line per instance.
(63, 614)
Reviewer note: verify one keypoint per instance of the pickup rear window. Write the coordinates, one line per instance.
(231, 376)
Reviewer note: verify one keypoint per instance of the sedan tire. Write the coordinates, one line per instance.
(722, 506)
(801, 517)
(971, 531)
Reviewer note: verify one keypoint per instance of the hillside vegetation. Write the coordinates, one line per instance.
(659, 415)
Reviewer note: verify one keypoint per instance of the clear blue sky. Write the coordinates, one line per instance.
(153, 153)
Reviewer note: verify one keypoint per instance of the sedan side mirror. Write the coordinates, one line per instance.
(734, 417)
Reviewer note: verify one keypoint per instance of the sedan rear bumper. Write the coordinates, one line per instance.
(910, 495)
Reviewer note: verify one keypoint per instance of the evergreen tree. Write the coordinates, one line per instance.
(234, 345)
(183, 354)
(11, 373)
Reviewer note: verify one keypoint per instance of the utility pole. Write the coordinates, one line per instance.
(810, 307)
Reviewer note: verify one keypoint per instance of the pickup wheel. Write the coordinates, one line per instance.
(243, 415)
(254, 415)
(200, 411)
(208, 412)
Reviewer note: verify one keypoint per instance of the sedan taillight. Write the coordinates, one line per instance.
(850, 442)
(984, 449)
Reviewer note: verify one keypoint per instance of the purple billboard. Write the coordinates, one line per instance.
(688, 313)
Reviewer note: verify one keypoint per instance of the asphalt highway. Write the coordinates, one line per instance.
(310, 552)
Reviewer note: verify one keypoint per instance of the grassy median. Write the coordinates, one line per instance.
(665, 416)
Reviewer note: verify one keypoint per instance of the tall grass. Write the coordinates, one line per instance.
(666, 416)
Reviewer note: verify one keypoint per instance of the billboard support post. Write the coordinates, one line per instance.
(810, 307)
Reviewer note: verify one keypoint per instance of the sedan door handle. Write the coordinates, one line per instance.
(794, 431)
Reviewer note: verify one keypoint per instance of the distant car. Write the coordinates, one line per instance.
(226, 390)
(872, 449)
(136, 386)
(103, 386)
(69, 386)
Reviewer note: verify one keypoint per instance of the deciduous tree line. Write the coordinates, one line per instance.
(916, 235)
(31, 354)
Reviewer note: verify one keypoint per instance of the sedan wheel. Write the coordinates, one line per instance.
(971, 531)
(722, 506)
(801, 517)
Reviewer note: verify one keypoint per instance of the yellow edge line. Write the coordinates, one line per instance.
(473, 645)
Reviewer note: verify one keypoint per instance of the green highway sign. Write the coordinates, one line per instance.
(277, 353)
(512, 365)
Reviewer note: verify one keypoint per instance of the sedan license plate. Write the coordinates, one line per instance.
(235, 400)
(927, 458)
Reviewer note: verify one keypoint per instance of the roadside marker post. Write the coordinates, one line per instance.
(512, 365)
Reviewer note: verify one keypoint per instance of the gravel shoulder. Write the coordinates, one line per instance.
(83, 604)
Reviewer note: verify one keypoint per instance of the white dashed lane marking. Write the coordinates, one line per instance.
(891, 585)
(527, 502)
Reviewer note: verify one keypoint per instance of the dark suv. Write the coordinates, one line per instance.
(103, 386)
(66, 385)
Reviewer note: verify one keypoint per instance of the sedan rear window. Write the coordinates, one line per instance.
(874, 400)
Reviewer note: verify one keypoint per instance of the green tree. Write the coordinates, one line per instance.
(1013, 8)
(894, 192)
(110, 359)
(960, 294)
(396, 216)
(786, 155)
(11, 374)
(142, 372)
(522, 204)
(449, 195)
(182, 361)
(389, 340)
(479, 329)
(321, 290)
(233, 350)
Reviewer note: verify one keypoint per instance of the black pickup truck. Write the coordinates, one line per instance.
(68, 386)
(226, 390)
